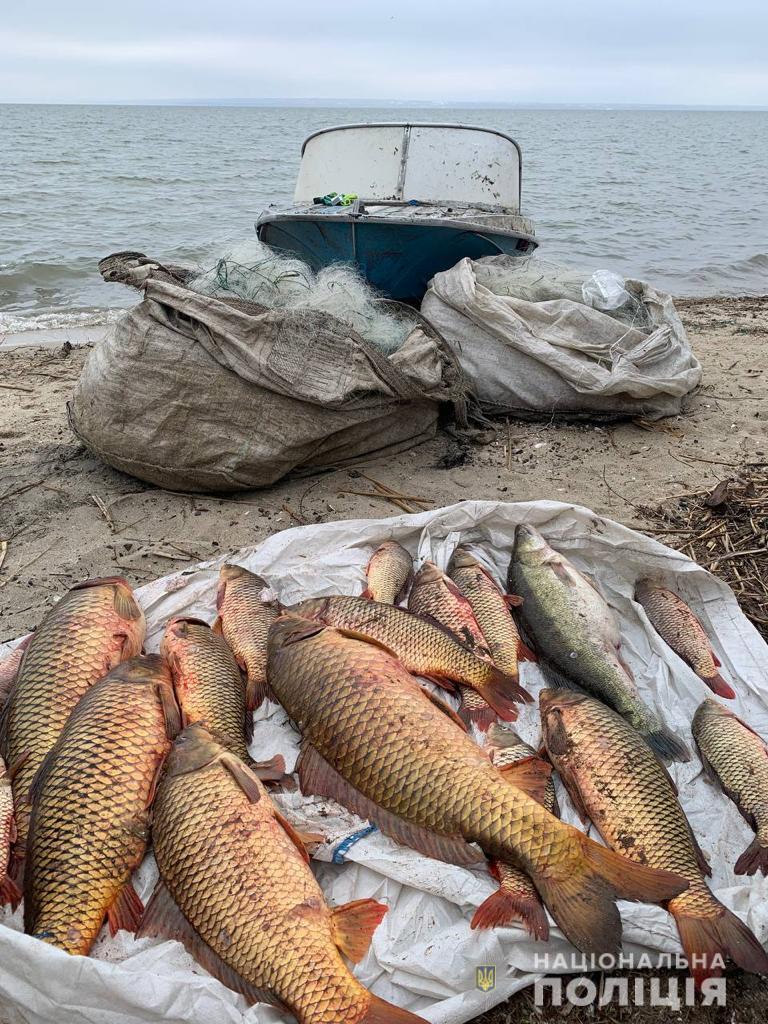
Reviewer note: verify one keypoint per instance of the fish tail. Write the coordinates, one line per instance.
(515, 900)
(381, 1012)
(754, 858)
(501, 690)
(581, 889)
(473, 710)
(9, 892)
(718, 685)
(708, 941)
(666, 744)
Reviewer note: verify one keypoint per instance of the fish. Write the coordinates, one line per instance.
(576, 636)
(388, 573)
(9, 668)
(423, 647)
(434, 596)
(243, 619)
(516, 899)
(91, 807)
(736, 758)
(618, 782)
(94, 627)
(492, 610)
(377, 743)
(679, 628)
(208, 683)
(9, 891)
(217, 833)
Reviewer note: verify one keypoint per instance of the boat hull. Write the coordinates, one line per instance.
(399, 259)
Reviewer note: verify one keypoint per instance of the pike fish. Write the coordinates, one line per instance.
(434, 596)
(491, 608)
(376, 742)
(736, 758)
(423, 647)
(90, 818)
(388, 573)
(9, 891)
(244, 618)
(516, 899)
(236, 889)
(94, 627)
(679, 628)
(618, 782)
(208, 684)
(576, 635)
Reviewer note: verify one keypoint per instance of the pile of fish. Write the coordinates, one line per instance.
(107, 750)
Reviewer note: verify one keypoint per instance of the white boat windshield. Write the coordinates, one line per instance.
(435, 163)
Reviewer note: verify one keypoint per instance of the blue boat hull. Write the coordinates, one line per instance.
(396, 258)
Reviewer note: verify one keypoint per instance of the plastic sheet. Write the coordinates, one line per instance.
(424, 955)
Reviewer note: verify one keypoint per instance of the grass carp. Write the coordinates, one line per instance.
(388, 573)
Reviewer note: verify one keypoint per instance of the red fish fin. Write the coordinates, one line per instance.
(171, 711)
(296, 837)
(524, 652)
(503, 908)
(754, 859)
(353, 925)
(445, 709)
(718, 663)
(531, 775)
(723, 936)
(381, 1012)
(482, 715)
(218, 627)
(256, 692)
(367, 594)
(718, 685)
(318, 778)
(272, 771)
(164, 920)
(501, 691)
(512, 600)
(581, 893)
(246, 779)
(9, 892)
(126, 912)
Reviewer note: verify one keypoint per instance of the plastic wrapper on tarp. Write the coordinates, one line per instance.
(424, 955)
(539, 339)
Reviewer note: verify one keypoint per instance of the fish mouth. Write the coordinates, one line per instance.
(528, 541)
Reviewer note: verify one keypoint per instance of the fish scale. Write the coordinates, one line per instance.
(244, 620)
(213, 841)
(368, 726)
(738, 759)
(90, 821)
(90, 630)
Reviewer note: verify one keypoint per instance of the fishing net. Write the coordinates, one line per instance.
(254, 272)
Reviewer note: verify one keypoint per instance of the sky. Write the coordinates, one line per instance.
(696, 52)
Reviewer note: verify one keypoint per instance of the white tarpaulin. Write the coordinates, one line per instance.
(424, 954)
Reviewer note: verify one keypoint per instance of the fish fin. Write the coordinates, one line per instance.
(582, 894)
(355, 634)
(754, 859)
(556, 679)
(482, 717)
(368, 594)
(512, 600)
(218, 626)
(296, 837)
(243, 775)
(707, 940)
(500, 690)
(154, 784)
(718, 685)
(171, 711)
(530, 774)
(256, 692)
(9, 892)
(126, 605)
(318, 778)
(505, 907)
(446, 709)
(667, 745)
(718, 663)
(525, 653)
(381, 1012)
(164, 920)
(272, 771)
(126, 912)
(353, 925)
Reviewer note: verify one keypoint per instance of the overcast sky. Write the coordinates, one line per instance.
(553, 51)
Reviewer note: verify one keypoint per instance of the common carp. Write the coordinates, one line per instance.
(618, 782)
(516, 899)
(422, 646)
(377, 743)
(736, 758)
(491, 608)
(679, 628)
(244, 618)
(237, 891)
(434, 596)
(576, 634)
(90, 816)
(388, 573)
(208, 684)
(94, 627)
(9, 891)
(9, 668)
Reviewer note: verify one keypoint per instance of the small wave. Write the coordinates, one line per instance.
(13, 323)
